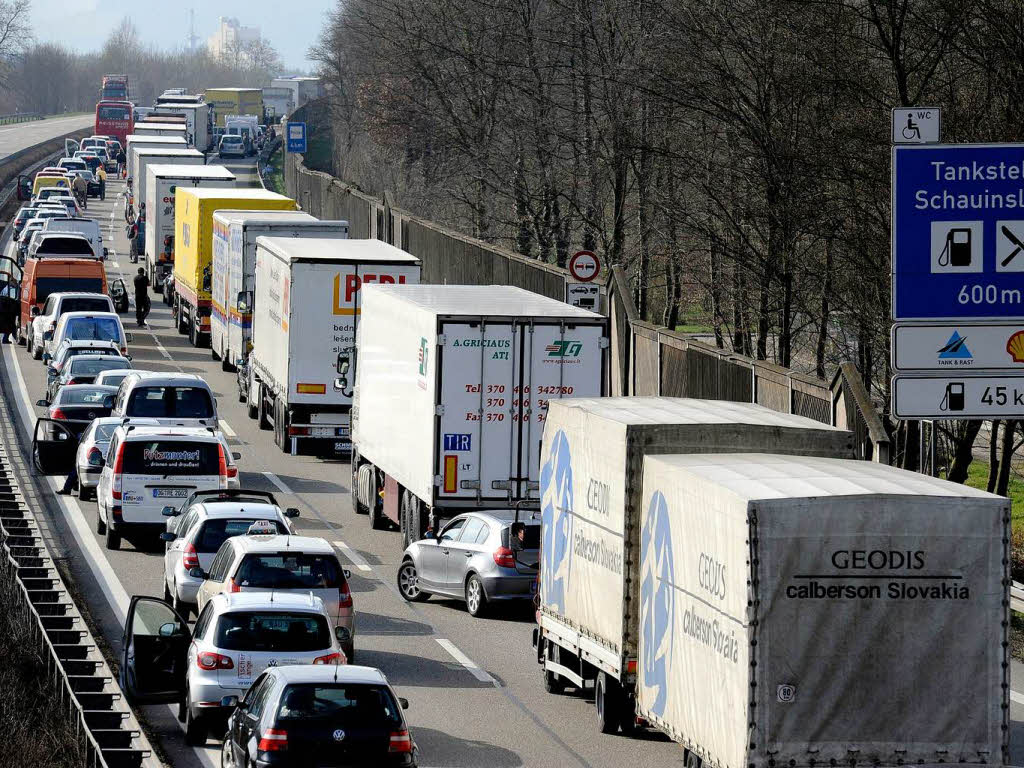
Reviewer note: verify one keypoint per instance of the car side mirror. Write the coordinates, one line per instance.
(169, 511)
(230, 701)
(403, 702)
(236, 455)
(429, 535)
(168, 629)
(196, 573)
(35, 311)
(167, 536)
(44, 403)
(291, 512)
(129, 338)
(347, 573)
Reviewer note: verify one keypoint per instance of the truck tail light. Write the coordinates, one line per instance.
(273, 740)
(189, 558)
(400, 741)
(209, 660)
(298, 431)
(504, 557)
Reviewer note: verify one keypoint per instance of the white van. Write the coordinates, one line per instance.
(148, 467)
(86, 326)
(90, 228)
(176, 399)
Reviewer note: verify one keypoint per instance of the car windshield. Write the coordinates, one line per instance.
(112, 113)
(170, 402)
(90, 366)
(170, 457)
(47, 285)
(65, 246)
(218, 530)
(289, 570)
(272, 631)
(84, 304)
(342, 703)
(83, 395)
(104, 432)
(114, 379)
(93, 329)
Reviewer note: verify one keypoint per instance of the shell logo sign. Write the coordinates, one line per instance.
(1015, 346)
(345, 304)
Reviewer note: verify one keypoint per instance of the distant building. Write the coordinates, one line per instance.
(231, 37)
(304, 89)
(278, 102)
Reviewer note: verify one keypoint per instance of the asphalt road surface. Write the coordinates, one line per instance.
(20, 135)
(473, 685)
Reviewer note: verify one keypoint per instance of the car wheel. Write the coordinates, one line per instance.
(476, 599)
(112, 540)
(409, 583)
(195, 729)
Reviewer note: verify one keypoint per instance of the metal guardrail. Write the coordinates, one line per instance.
(20, 117)
(77, 673)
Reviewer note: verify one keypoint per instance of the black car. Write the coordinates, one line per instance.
(318, 715)
(55, 439)
(83, 369)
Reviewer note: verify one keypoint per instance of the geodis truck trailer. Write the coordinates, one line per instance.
(454, 383)
(712, 572)
(234, 274)
(309, 300)
(193, 249)
(162, 181)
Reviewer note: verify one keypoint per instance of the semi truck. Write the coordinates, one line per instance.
(452, 395)
(147, 128)
(134, 141)
(309, 299)
(143, 157)
(731, 577)
(235, 101)
(162, 181)
(193, 249)
(234, 274)
(198, 121)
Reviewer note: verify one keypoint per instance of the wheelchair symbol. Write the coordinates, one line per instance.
(911, 130)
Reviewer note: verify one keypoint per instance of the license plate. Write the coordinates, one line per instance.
(170, 493)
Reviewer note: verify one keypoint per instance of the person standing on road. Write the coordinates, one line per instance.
(101, 174)
(81, 187)
(120, 163)
(141, 297)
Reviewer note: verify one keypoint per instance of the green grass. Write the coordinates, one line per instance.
(977, 477)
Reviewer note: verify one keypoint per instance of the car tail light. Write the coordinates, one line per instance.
(124, 351)
(400, 741)
(344, 596)
(298, 431)
(115, 488)
(233, 587)
(189, 557)
(95, 457)
(209, 660)
(273, 740)
(58, 414)
(503, 556)
(73, 381)
(222, 466)
(330, 658)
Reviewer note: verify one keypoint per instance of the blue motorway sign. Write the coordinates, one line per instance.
(958, 231)
(296, 138)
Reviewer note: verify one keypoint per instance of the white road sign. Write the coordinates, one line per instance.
(957, 397)
(584, 296)
(584, 266)
(956, 347)
(916, 125)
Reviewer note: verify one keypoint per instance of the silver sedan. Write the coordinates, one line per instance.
(478, 557)
(92, 449)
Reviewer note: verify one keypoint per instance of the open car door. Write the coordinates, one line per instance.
(54, 445)
(25, 187)
(70, 147)
(155, 644)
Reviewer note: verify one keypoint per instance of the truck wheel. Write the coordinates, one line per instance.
(476, 598)
(606, 700)
(354, 485)
(262, 404)
(281, 426)
(225, 362)
(553, 682)
(180, 320)
(691, 760)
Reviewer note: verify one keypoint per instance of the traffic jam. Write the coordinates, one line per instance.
(473, 425)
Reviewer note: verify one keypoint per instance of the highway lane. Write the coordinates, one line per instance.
(474, 688)
(17, 136)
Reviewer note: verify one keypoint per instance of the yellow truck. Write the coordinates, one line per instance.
(193, 248)
(235, 101)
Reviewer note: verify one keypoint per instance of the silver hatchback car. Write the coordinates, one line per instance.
(477, 557)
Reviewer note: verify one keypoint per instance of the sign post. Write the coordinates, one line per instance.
(958, 280)
(584, 266)
(295, 141)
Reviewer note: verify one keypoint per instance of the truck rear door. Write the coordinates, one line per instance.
(475, 450)
(553, 360)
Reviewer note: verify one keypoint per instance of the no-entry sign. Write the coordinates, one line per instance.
(584, 266)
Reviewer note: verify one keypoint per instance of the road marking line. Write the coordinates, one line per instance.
(1016, 697)
(115, 265)
(226, 429)
(353, 556)
(465, 661)
(278, 483)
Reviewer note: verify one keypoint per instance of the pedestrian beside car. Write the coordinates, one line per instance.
(101, 174)
(141, 297)
(120, 163)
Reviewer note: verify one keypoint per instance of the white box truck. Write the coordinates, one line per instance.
(142, 157)
(160, 129)
(198, 122)
(679, 600)
(309, 295)
(161, 182)
(234, 273)
(135, 141)
(453, 385)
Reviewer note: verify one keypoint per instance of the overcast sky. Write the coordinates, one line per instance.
(291, 26)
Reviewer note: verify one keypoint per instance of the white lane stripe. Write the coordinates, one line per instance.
(353, 556)
(1016, 697)
(465, 661)
(226, 429)
(278, 483)
(115, 265)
